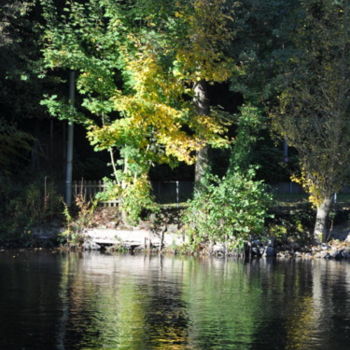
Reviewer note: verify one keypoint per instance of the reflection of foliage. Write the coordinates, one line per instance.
(299, 324)
(128, 317)
(223, 304)
(233, 306)
(168, 317)
(134, 303)
(97, 319)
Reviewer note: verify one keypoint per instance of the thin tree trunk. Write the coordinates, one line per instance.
(111, 154)
(201, 102)
(51, 147)
(64, 149)
(114, 167)
(321, 224)
(70, 143)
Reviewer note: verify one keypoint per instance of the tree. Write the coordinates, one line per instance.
(21, 89)
(263, 48)
(203, 57)
(313, 110)
(15, 103)
(14, 145)
(139, 72)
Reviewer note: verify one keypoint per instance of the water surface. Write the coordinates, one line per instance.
(95, 301)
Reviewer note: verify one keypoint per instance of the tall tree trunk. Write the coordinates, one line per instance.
(201, 102)
(321, 224)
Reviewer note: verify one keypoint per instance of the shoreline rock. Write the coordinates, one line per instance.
(131, 239)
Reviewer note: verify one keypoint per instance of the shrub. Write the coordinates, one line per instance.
(24, 206)
(75, 224)
(296, 226)
(134, 198)
(228, 209)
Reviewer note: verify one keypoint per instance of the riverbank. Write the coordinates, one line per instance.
(140, 240)
(164, 233)
(143, 242)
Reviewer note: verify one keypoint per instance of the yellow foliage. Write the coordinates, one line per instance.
(202, 56)
(315, 196)
(153, 117)
(156, 112)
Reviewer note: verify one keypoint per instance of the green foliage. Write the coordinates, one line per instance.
(264, 47)
(231, 208)
(62, 110)
(24, 207)
(135, 68)
(249, 124)
(14, 146)
(313, 109)
(295, 226)
(137, 198)
(133, 200)
(20, 89)
(16, 99)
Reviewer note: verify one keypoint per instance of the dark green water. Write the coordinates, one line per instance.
(94, 301)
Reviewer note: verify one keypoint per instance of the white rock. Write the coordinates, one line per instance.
(89, 245)
(218, 248)
(136, 237)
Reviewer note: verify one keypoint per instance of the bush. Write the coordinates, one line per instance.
(295, 226)
(80, 220)
(134, 198)
(228, 209)
(24, 206)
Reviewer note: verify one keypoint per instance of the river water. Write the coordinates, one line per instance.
(93, 301)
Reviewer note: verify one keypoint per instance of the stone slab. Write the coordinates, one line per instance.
(136, 237)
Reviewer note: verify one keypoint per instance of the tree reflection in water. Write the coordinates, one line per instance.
(95, 301)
